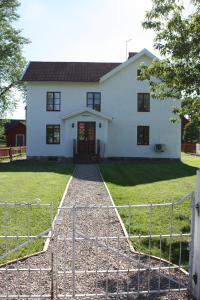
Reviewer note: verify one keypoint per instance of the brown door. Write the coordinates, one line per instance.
(86, 137)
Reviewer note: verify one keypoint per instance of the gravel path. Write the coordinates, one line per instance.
(94, 255)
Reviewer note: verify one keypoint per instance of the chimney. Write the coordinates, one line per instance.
(131, 54)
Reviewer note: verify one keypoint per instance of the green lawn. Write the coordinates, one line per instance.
(142, 182)
(32, 182)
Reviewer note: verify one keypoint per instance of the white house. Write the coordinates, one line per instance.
(85, 109)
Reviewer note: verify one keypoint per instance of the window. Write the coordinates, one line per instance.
(53, 101)
(94, 101)
(138, 72)
(143, 102)
(143, 135)
(53, 134)
(19, 140)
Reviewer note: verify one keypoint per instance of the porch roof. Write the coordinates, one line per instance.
(90, 111)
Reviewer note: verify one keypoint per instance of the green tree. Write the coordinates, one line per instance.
(2, 131)
(12, 61)
(177, 37)
(191, 133)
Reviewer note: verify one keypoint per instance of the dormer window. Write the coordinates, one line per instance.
(53, 101)
(94, 100)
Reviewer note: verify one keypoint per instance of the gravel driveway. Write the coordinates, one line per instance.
(102, 258)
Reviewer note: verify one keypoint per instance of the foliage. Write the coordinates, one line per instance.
(191, 133)
(177, 38)
(12, 61)
(2, 129)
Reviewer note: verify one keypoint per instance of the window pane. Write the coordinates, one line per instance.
(90, 106)
(146, 96)
(49, 95)
(50, 107)
(140, 96)
(56, 101)
(140, 105)
(50, 128)
(57, 134)
(97, 101)
(56, 107)
(89, 95)
(49, 140)
(90, 101)
(97, 96)
(97, 107)
(56, 95)
(50, 101)
(146, 106)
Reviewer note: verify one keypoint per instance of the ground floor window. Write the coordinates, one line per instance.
(143, 135)
(53, 134)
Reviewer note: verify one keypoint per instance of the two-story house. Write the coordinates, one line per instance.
(87, 108)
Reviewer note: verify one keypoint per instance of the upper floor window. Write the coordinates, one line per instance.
(53, 134)
(143, 102)
(138, 72)
(53, 101)
(94, 100)
(143, 135)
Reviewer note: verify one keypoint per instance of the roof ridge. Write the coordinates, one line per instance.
(75, 62)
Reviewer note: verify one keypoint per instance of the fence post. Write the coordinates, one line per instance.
(10, 153)
(196, 243)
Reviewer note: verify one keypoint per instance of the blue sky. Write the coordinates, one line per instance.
(82, 30)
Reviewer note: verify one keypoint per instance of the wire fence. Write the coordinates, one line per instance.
(94, 254)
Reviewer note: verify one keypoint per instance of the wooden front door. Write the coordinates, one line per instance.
(86, 138)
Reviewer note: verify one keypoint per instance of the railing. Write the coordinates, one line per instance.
(10, 152)
(74, 148)
(98, 149)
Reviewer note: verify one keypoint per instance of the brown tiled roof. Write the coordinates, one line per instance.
(67, 71)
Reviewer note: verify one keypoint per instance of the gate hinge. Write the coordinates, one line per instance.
(197, 206)
(195, 277)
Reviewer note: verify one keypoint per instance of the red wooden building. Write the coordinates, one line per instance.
(15, 132)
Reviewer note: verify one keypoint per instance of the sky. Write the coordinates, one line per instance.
(82, 30)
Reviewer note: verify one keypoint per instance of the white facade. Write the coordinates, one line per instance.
(116, 124)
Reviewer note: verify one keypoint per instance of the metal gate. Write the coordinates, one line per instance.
(98, 259)
(94, 253)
